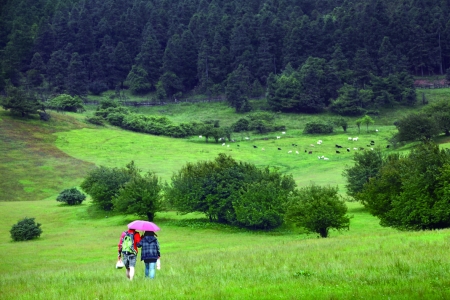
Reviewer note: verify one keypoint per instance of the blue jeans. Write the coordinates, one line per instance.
(150, 270)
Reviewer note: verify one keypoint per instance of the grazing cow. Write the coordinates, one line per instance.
(309, 152)
(355, 139)
(376, 130)
(325, 158)
(348, 149)
(283, 132)
(337, 152)
(247, 138)
(355, 148)
(279, 148)
(337, 146)
(388, 146)
(278, 137)
(200, 136)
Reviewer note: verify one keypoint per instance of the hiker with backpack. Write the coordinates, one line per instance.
(150, 252)
(128, 249)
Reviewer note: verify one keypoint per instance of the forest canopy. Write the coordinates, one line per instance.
(335, 53)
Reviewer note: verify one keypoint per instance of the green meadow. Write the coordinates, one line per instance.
(75, 256)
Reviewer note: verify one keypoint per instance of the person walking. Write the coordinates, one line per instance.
(128, 249)
(149, 253)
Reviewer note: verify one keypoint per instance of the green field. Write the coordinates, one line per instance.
(75, 256)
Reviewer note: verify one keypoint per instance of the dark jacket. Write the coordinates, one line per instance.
(150, 247)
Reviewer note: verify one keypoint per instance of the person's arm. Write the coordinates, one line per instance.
(157, 248)
(120, 244)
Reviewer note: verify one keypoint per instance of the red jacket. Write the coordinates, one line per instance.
(137, 239)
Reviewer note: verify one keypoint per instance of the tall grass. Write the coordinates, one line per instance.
(75, 256)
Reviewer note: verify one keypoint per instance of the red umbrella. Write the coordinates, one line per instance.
(143, 225)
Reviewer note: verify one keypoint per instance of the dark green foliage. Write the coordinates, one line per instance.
(96, 120)
(241, 125)
(367, 165)
(26, 229)
(140, 196)
(417, 126)
(341, 122)
(103, 183)
(224, 190)
(440, 112)
(195, 46)
(66, 102)
(20, 102)
(71, 196)
(318, 209)
(317, 127)
(411, 191)
(261, 204)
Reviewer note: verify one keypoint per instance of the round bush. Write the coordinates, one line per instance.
(25, 230)
(71, 196)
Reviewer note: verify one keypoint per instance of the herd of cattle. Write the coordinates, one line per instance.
(315, 147)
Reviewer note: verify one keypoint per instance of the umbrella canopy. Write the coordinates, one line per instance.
(143, 225)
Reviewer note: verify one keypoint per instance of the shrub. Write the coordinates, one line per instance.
(313, 127)
(102, 184)
(71, 196)
(241, 125)
(25, 230)
(116, 119)
(95, 120)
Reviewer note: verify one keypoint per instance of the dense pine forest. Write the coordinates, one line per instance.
(302, 55)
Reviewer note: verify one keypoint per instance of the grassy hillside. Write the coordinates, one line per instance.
(75, 256)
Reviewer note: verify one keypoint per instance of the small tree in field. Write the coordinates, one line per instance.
(25, 230)
(367, 120)
(317, 209)
(140, 196)
(71, 196)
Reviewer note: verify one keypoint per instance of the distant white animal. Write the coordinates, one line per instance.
(322, 156)
(296, 152)
(228, 146)
(284, 132)
(290, 151)
(278, 137)
(355, 148)
(223, 144)
(263, 149)
(371, 148)
(349, 138)
(200, 136)
(318, 157)
(311, 145)
(355, 139)
(325, 158)
(376, 130)
(320, 141)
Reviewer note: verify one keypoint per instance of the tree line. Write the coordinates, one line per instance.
(224, 190)
(350, 55)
